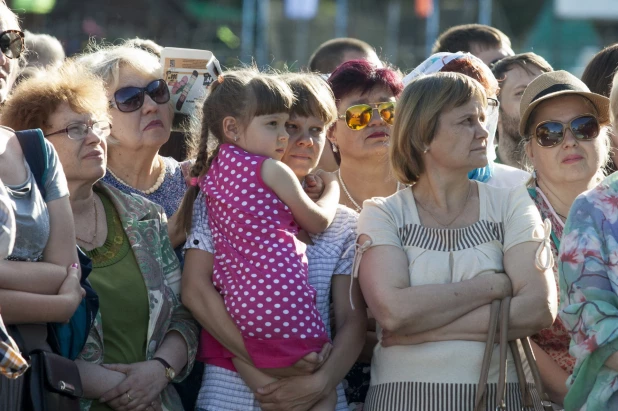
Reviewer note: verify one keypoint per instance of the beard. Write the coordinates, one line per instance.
(511, 140)
(510, 129)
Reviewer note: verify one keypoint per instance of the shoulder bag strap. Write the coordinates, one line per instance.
(534, 369)
(481, 388)
(35, 151)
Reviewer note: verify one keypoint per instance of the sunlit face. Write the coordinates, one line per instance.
(149, 126)
(83, 160)
(265, 136)
(370, 142)
(9, 68)
(307, 140)
(460, 141)
(572, 160)
(511, 89)
(490, 55)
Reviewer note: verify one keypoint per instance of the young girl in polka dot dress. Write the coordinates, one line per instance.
(256, 207)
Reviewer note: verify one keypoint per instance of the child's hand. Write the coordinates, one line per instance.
(314, 186)
(326, 176)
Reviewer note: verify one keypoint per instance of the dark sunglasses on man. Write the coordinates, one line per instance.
(12, 43)
(129, 99)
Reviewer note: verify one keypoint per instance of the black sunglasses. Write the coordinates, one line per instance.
(551, 133)
(128, 99)
(12, 43)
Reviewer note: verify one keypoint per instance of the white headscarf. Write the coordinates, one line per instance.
(435, 63)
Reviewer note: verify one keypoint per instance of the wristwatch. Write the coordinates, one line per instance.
(170, 374)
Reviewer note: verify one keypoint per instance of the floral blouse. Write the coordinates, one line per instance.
(588, 265)
(554, 340)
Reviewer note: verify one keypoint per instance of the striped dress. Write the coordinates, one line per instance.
(443, 375)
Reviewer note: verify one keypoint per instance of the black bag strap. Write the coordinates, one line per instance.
(35, 151)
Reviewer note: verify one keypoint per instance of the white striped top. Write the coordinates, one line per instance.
(507, 217)
(224, 390)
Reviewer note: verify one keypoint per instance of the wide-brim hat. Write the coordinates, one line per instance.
(558, 83)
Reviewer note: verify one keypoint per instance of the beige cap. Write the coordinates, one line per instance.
(557, 83)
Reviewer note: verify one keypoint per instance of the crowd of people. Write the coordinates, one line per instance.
(348, 237)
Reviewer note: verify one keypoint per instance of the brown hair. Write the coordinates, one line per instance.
(313, 97)
(599, 72)
(329, 55)
(35, 99)
(241, 94)
(523, 60)
(418, 112)
(461, 38)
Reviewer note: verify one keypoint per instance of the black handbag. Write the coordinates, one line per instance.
(52, 383)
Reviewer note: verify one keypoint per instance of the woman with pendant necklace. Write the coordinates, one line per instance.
(366, 98)
(434, 256)
(567, 146)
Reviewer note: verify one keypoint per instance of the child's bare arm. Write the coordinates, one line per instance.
(312, 217)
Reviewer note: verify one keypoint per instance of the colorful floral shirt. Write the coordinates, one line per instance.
(554, 340)
(588, 265)
(145, 225)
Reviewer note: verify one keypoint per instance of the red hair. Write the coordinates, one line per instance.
(361, 75)
(474, 70)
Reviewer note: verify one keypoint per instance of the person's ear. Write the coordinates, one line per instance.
(231, 128)
(330, 134)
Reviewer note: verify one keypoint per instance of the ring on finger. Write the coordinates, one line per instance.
(129, 396)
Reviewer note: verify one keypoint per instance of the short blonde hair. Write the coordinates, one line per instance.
(35, 99)
(105, 61)
(418, 112)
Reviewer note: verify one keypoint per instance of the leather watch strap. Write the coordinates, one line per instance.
(167, 366)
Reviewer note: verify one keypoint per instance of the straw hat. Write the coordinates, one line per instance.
(558, 83)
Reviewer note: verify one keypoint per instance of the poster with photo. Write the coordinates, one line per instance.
(188, 73)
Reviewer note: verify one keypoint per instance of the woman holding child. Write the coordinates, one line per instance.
(299, 109)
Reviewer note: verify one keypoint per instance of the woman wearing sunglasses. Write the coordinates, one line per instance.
(142, 118)
(12, 59)
(39, 281)
(366, 105)
(142, 338)
(566, 146)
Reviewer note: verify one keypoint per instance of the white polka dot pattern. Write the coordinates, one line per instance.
(260, 267)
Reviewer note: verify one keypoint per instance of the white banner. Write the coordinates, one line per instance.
(588, 9)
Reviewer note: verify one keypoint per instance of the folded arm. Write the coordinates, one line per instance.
(404, 309)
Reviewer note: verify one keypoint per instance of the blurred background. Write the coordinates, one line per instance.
(284, 33)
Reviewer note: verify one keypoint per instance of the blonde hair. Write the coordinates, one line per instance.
(242, 94)
(313, 97)
(418, 113)
(35, 99)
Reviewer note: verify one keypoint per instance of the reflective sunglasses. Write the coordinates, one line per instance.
(12, 43)
(551, 133)
(79, 131)
(358, 117)
(128, 99)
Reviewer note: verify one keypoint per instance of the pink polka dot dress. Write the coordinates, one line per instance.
(260, 267)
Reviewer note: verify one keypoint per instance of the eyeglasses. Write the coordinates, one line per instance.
(358, 117)
(551, 133)
(12, 43)
(79, 131)
(492, 106)
(128, 99)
